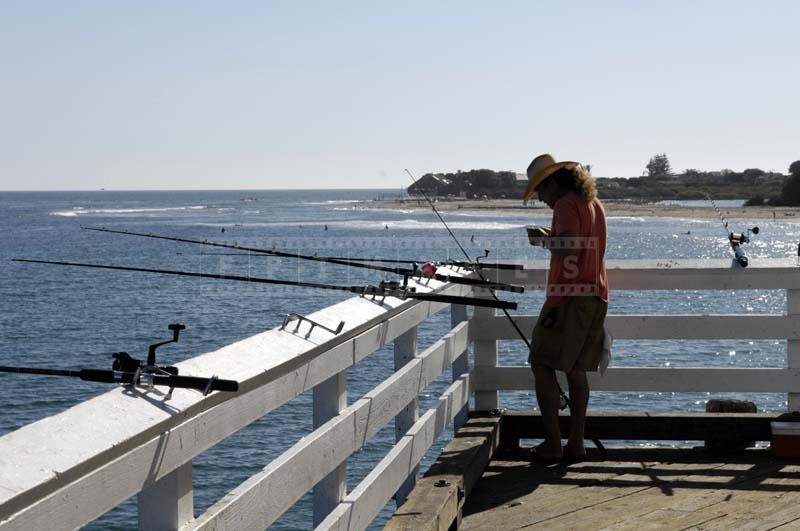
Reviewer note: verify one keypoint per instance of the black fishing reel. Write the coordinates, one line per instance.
(124, 362)
(394, 285)
(738, 238)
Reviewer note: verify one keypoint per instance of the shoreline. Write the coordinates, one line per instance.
(614, 208)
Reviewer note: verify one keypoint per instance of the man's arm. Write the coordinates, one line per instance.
(566, 224)
(552, 243)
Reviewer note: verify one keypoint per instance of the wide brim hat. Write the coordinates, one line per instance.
(541, 168)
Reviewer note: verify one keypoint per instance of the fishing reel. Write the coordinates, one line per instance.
(394, 285)
(144, 370)
(738, 238)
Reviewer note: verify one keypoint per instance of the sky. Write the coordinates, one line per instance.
(286, 95)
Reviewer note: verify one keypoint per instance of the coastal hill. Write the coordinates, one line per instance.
(471, 184)
(753, 184)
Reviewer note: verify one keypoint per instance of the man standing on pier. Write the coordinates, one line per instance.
(568, 335)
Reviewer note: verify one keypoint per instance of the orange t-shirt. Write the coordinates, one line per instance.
(583, 224)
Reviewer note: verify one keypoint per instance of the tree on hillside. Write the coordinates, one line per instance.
(751, 174)
(658, 166)
(790, 194)
(691, 172)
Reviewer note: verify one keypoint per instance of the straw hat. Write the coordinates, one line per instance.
(540, 169)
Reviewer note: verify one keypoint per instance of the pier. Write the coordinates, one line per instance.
(66, 470)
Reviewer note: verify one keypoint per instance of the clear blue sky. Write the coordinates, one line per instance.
(213, 95)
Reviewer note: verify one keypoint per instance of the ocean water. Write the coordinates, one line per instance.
(75, 318)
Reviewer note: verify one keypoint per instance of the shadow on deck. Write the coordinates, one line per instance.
(639, 489)
(630, 488)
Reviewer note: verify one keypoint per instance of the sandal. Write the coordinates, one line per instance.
(572, 457)
(534, 456)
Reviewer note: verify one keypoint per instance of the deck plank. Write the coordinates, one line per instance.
(639, 489)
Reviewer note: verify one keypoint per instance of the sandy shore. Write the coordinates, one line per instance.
(613, 208)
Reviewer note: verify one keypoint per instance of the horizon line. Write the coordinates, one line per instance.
(194, 190)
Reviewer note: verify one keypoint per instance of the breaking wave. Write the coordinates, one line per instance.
(79, 211)
(404, 224)
(335, 202)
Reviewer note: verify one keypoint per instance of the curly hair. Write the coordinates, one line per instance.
(577, 179)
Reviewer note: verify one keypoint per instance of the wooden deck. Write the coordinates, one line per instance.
(639, 489)
(484, 480)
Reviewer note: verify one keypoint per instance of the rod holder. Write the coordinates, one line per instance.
(300, 318)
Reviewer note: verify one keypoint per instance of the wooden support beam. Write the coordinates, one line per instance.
(405, 350)
(458, 313)
(436, 501)
(330, 399)
(169, 502)
(647, 426)
(485, 359)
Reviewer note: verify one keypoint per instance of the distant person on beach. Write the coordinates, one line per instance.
(569, 334)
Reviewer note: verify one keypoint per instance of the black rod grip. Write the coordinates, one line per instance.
(467, 301)
(103, 376)
(196, 382)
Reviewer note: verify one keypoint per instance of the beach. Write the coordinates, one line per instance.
(614, 208)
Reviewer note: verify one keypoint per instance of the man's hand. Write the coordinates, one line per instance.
(535, 235)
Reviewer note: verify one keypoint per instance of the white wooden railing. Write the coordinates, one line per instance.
(66, 470)
(782, 274)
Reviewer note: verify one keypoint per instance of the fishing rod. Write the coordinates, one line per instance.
(383, 290)
(564, 399)
(137, 373)
(736, 239)
(429, 272)
(456, 263)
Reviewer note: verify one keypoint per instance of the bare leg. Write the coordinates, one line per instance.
(578, 402)
(548, 398)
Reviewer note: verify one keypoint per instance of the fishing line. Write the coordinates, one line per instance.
(564, 398)
(406, 273)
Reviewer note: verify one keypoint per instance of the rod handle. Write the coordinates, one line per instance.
(198, 383)
(99, 375)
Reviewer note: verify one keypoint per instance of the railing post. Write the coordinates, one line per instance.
(405, 349)
(793, 345)
(458, 313)
(330, 398)
(485, 356)
(169, 502)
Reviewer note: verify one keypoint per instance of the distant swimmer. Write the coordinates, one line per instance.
(472, 239)
(688, 232)
(326, 227)
(223, 229)
(386, 227)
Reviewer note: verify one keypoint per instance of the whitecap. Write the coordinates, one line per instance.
(82, 211)
(334, 202)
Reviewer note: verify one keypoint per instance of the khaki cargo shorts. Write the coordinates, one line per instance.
(570, 337)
